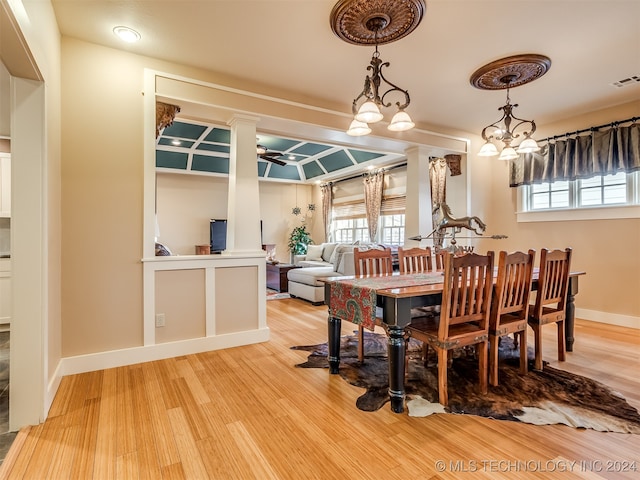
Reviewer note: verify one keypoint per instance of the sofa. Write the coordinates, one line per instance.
(321, 261)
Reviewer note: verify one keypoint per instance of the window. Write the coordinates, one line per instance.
(391, 229)
(609, 190)
(550, 195)
(351, 230)
(350, 223)
(601, 197)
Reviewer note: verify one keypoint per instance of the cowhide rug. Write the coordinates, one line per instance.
(548, 397)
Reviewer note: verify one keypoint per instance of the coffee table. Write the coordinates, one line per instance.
(277, 276)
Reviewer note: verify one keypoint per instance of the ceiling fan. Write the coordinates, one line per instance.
(264, 153)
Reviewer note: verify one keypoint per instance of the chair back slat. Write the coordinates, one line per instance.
(466, 297)
(513, 285)
(372, 261)
(415, 260)
(553, 280)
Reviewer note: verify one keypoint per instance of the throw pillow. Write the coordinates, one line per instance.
(314, 252)
(334, 255)
(328, 250)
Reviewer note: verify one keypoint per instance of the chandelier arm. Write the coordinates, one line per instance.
(394, 88)
(484, 132)
(493, 125)
(521, 122)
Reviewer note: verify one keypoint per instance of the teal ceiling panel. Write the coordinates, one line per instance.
(172, 142)
(166, 159)
(275, 143)
(287, 172)
(311, 149)
(312, 169)
(336, 161)
(361, 156)
(294, 158)
(204, 163)
(184, 130)
(262, 168)
(209, 147)
(218, 135)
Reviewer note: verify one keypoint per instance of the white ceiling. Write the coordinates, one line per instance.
(289, 44)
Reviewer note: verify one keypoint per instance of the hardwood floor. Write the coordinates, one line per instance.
(248, 413)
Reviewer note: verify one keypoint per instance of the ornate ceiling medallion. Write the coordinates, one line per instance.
(375, 22)
(510, 72)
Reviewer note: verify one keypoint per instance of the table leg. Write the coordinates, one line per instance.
(335, 327)
(570, 316)
(396, 348)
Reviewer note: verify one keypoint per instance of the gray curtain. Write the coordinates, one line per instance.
(373, 187)
(583, 156)
(327, 202)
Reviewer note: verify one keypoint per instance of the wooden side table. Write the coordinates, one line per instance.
(277, 276)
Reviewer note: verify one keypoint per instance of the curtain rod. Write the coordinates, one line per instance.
(591, 129)
(404, 164)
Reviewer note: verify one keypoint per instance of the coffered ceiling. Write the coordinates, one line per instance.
(201, 148)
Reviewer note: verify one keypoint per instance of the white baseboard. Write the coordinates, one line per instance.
(608, 318)
(52, 389)
(131, 356)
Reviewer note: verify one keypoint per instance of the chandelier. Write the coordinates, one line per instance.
(505, 74)
(376, 22)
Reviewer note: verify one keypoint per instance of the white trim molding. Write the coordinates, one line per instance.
(608, 318)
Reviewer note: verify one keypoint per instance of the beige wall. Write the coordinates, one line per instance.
(605, 249)
(235, 293)
(102, 171)
(186, 203)
(180, 297)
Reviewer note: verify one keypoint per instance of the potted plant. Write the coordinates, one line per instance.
(298, 240)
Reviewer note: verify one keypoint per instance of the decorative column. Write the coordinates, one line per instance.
(418, 217)
(243, 210)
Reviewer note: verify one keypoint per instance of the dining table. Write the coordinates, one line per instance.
(362, 299)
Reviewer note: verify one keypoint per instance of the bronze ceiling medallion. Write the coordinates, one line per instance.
(375, 22)
(510, 72)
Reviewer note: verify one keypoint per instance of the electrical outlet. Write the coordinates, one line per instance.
(159, 319)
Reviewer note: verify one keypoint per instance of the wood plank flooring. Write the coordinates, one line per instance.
(247, 413)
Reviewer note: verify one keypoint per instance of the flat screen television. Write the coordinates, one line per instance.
(218, 235)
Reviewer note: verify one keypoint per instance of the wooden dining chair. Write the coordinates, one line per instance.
(439, 259)
(415, 260)
(371, 262)
(551, 298)
(464, 315)
(510, 307)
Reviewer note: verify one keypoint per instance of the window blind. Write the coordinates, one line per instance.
(392, 205)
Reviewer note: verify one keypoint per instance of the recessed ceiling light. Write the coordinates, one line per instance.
(292, 157)
(176, 142)
(126, 34)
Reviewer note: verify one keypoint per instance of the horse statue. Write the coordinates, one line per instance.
(457, 224)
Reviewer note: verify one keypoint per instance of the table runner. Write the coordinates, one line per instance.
(354, 299)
